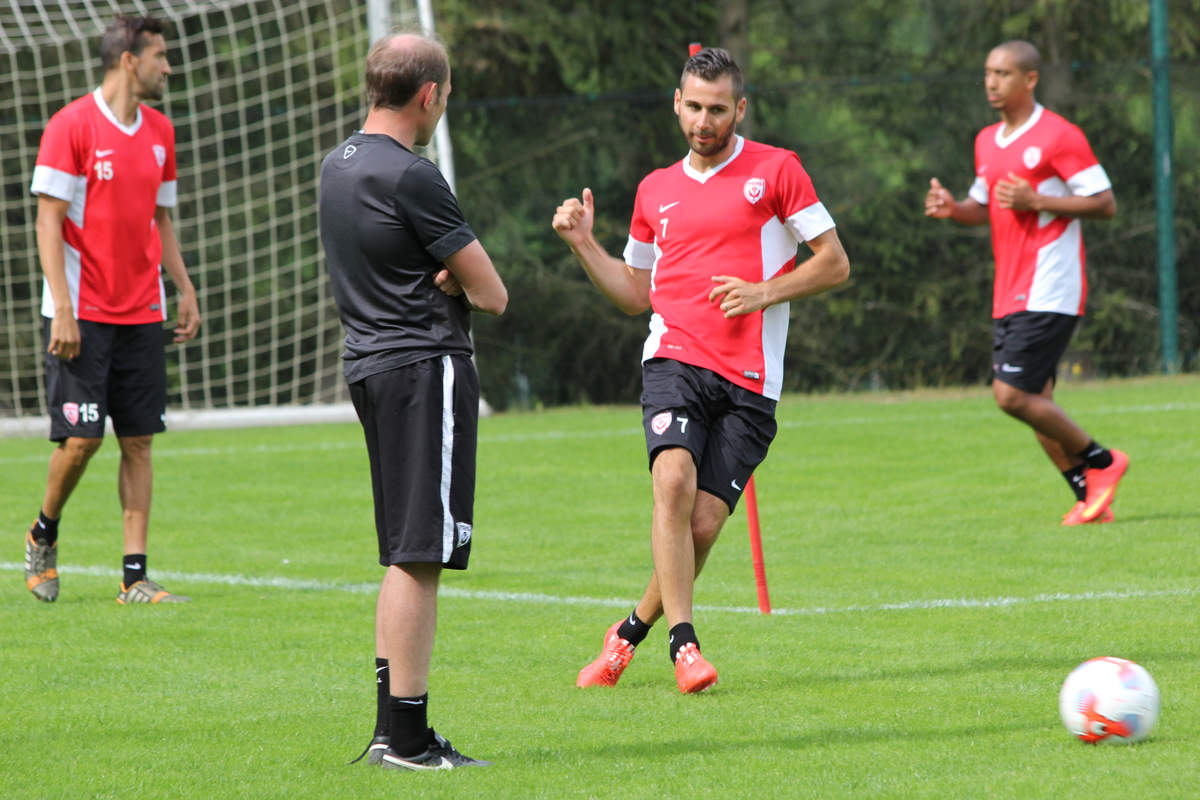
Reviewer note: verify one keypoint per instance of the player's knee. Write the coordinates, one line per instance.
(80, 449)
(1009, 399)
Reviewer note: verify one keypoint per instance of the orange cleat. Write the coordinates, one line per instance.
(1075, 515)
(1102, 486)
(693, 673)
(607, 668)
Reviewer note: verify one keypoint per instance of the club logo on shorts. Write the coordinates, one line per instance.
(71, 412)
(1032, 156)
(464, 533)
(660, 422)
(160, 154)
(753, 189)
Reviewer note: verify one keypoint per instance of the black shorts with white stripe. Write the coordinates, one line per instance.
(420, 423)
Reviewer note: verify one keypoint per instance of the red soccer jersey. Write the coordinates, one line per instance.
(114, 177)
(1039, 257)
(745, 218)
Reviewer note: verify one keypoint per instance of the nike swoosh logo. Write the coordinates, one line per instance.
(1011, 368)
(103, 153)
(734, 485)
(135, 566)
(1095, 508)
(661, 209)
(411, 702)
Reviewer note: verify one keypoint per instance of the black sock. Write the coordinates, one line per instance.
(682, 634)
(633, 630)
(1077, 481)
(45, 530)
(135, 568)
(409, 724)
(382, 712)
(1096, 456)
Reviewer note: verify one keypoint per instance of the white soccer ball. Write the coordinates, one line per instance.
(1109, 700)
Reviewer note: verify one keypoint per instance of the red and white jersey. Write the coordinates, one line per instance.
(745, 218)
(1039, 257)
(114, 177)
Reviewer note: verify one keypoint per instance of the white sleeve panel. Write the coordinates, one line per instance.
(168, 194)
(640, 255)
(979, 191)
(1090, 181)
(809, 223)
(54, 183)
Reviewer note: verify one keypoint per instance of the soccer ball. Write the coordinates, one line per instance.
(1109, 700)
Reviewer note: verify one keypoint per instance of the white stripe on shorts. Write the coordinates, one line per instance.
(447, 456)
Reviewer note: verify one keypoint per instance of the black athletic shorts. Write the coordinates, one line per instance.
(420, 423)
(120, 372)
(1027, 346)
(725, 427)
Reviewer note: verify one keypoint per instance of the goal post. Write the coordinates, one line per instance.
(260, 91)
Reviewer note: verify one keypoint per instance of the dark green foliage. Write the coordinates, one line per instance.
(876, 97)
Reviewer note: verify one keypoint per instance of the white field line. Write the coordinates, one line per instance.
(538, 598)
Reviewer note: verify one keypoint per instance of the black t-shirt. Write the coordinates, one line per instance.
(388, 222)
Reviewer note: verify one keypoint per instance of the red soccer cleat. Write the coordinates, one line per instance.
(613, 659)
(693, 673)
(1102, 486)
(1075, 515)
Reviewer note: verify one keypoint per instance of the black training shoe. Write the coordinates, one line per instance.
(440, 754)
(375, 750)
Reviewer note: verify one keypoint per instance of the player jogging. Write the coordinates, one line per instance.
(712, 252)
(105, 181)
(406, 271)
(1035, 178)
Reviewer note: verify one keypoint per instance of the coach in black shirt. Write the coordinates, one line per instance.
(407, 270)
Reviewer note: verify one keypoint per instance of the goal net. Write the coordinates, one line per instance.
(260, 91)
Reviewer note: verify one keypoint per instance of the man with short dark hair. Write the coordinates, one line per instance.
(407, 270)
(1035, 178)
(712, 251)
(105, 181)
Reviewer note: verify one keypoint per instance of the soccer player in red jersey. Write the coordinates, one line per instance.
(105, 182)
(712, 251)
(1035, 179)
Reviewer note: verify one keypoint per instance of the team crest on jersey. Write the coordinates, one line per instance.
(660, 422)
(71, 412)
(753, 189)
(160, 154)
(349, 151)
(1032, 156)
(464, 532)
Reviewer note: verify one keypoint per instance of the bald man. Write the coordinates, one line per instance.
(1035, 179)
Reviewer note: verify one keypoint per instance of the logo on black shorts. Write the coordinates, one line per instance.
(660, 422)
(71, 412)
(464, 533)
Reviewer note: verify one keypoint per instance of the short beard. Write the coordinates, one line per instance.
(717, 146)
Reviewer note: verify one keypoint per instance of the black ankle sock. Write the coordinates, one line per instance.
(135, 568)
(1096, 456)
(46, 529)
(382, 712)
(633, 630)
(682, 634)
(1076, 480)
(409, 724)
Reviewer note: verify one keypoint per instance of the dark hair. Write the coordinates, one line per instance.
(127, 35)
(399, 64)
(710, 64)
(1027, 56)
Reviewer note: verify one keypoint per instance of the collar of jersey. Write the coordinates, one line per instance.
(697, 175)
(128, 130)
(1003, 141)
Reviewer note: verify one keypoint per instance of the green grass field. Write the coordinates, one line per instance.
(928, 606)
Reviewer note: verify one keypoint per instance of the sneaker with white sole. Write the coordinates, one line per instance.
(147, 591)
(440, 754)
(41, 568)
